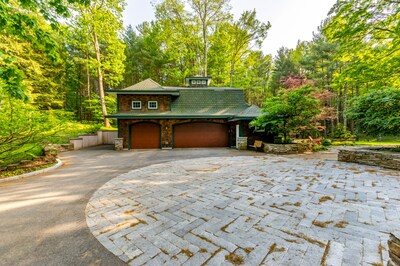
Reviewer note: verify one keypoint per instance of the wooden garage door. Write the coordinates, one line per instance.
(145, 136)
(197, 135)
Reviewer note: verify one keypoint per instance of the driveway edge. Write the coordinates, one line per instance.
(59, 163)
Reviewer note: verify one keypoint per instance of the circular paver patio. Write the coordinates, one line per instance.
(248, 210)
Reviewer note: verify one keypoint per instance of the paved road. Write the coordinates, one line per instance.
(42, 218)
(268, 210)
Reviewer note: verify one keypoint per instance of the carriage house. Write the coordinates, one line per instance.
(151, 116)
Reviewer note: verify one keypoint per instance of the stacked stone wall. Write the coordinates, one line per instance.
(384, 159)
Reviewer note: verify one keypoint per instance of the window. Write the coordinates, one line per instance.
(136, 105)
(152, 105)
(204, 82)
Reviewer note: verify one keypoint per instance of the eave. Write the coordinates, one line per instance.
(168, 116)
(144, 92)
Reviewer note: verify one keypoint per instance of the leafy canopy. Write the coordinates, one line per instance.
(377, 113)
(288, 112)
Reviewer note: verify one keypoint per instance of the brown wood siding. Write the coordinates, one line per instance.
(145, 136)
(125, 102)
(200, 135)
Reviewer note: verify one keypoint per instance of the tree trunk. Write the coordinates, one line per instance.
(231, 75)
(284, 131)
(100, 76)
(205, 65)
(345, 107)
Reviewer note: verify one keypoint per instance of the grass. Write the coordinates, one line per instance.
(385, 141)
(61, 135)
(73, 130)
(20, 171)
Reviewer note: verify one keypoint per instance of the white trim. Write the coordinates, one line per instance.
(59, 163)
(136, 108)
(152, 108)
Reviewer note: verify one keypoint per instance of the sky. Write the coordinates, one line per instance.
(291, 20)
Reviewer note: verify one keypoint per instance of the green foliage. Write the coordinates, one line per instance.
(377, 113)
(368, 34)
(326, 142)
(286, 113)
(22, 130)
(317, 147)
(21, 171)
(71, 129)
(284, 66)
(23, 20)
(342, 133)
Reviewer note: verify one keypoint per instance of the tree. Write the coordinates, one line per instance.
(106, 54)
(243, 35)
(283, 67)
(22, 129)
(20, 19)
(193, 28)
(286, 113)
(368, 36)
(377, 113)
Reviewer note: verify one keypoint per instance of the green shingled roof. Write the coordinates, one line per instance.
(197, 103)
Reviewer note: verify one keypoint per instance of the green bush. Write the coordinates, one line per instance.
(342, 133)
(288, 141)
(326, 142)
(318, 147)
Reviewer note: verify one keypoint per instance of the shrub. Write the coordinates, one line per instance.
(318, 147)
(326, 142)
(342, 133)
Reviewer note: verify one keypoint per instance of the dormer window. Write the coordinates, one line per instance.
(152, 105)
(136, 105)
(203, 82)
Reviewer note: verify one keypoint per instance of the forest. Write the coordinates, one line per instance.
(57, 58)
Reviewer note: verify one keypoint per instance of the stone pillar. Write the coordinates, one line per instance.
(119, 144)
(394, 249)
(241, 143)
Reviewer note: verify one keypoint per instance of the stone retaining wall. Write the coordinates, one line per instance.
(374, 157)
(102, 137)
(394, 249)
(285, 148)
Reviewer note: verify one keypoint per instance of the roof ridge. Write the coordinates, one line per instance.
(149, 79)
(147, 84)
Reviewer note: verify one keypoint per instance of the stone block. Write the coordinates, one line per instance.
(119, 144)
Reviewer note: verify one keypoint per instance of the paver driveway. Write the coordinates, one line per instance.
(253, 210)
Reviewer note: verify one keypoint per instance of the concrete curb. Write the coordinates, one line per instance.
(59, 163)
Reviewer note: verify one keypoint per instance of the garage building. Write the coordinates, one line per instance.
(151, 116)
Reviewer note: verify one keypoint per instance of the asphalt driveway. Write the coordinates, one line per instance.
(42, 218)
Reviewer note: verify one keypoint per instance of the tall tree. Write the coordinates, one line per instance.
(284, 66)
(20, 19)
(207, 14)
(193, 27)
(244, 34)
(107, 55)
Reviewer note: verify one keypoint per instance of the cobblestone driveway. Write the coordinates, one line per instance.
(248, 210)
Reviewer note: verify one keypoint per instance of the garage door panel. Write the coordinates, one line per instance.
(145, 136)
(200, 134)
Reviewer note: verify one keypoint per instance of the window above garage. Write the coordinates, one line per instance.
(152, 105)
(136, 105)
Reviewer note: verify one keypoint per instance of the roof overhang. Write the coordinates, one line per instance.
(241, 118)
(144, 92)
(167, 116)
